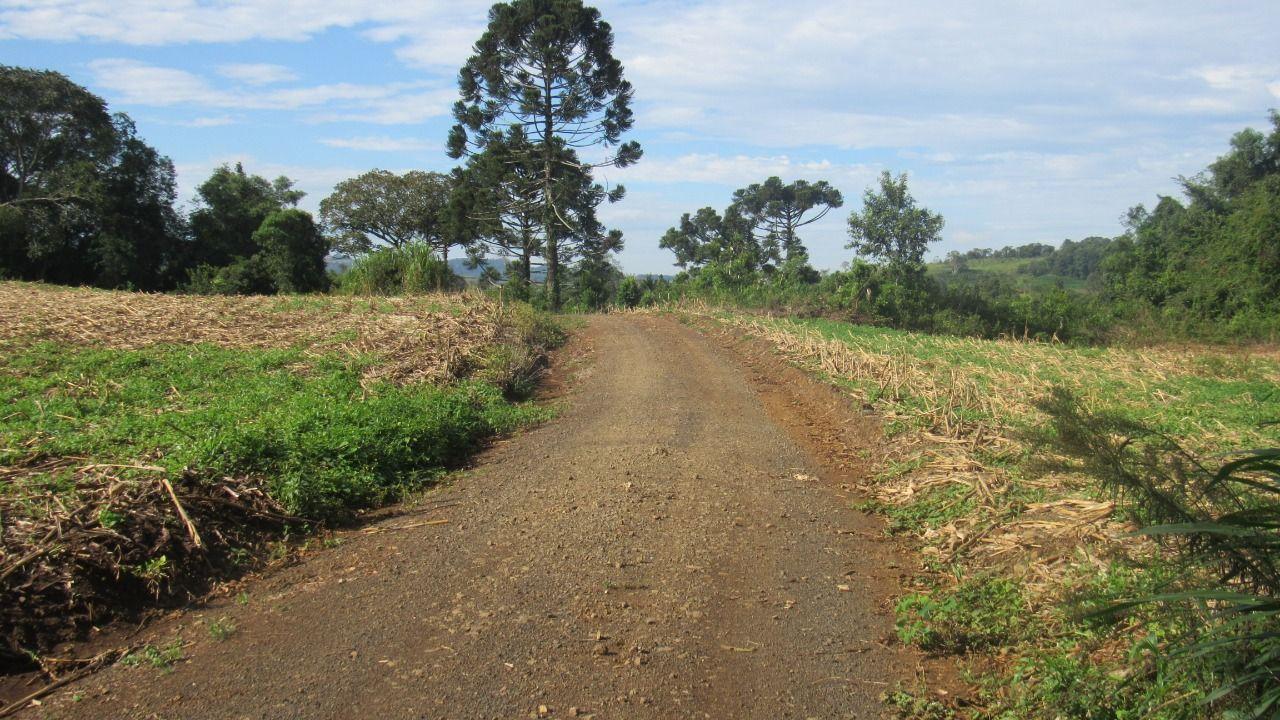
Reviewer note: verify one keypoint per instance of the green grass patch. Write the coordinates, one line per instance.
(977, 614)
(324, 441)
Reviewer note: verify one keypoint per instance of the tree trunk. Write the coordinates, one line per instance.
(548, 210)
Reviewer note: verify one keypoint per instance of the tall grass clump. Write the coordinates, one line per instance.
(407, 270)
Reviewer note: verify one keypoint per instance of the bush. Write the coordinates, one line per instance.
(407, 270)
(1217, 527)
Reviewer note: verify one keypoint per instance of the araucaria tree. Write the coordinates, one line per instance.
(779, 210)
(546, 67)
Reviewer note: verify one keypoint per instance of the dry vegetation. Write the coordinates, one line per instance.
(432, 338)
(967, 472)
(154, 443)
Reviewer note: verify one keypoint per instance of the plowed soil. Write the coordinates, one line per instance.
(678, 543)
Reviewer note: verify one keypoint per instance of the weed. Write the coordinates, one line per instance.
(916, 706)
(160, 658)
(221, 629)
(976, 614)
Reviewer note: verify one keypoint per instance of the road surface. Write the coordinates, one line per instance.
(670, 546)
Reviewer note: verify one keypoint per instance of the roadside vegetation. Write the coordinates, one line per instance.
(152, 444)
(1023, 471)
(1203, 268)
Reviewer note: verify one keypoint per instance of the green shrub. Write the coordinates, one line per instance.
(407, 270)
(325, 442)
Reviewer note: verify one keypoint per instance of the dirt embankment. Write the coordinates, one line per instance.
(671, 547)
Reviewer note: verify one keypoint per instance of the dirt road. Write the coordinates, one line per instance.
(666, 548)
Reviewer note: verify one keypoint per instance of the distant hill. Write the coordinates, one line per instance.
(1011, 270)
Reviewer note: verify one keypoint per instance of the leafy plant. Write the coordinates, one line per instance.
(160, 658)
(976, 614)
(221, 629)
(1220, 524)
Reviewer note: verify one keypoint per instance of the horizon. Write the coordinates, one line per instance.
(1018, 126)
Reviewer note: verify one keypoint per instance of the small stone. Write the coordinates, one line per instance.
(600, 649)
(543, 711)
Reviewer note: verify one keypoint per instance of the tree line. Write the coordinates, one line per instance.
(83, 200)
(1207, 265)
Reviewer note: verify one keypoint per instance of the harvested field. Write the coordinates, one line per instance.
(154, 444)
(432, 338)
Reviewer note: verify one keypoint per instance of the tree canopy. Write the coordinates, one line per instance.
(779, 210)
(82, 198)
(545, 68)
(891, 228)
(388, 208)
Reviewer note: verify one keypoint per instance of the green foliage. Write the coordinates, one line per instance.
(976, 614)
(1215, 261)
(222, 628)
(779, 210)
(232, 205)
(160, 658)
(407, 270)
(890, 228)
(325, 443)
(82, 199)
(250, 239)
(630, 293)
(396, 210)
(544, 70)
(723, 247)
(1219, 524)
(292, 252)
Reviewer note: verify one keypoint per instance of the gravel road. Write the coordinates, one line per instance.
(673, 545)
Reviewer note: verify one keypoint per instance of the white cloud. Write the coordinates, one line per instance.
(408, 108)
(257, 73)
(136, 83)
(206, 122)
(434, 32)
(380, 143)
(737, 170)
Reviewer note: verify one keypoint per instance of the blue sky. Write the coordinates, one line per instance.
(1018, 121)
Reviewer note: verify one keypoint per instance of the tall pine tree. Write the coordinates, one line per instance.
(547, 67)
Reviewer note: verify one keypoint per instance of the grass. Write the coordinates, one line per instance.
(221, 629)
(324, 442)
(260, 418)
(1020, 546)
(1215, 398)
(160, 658)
